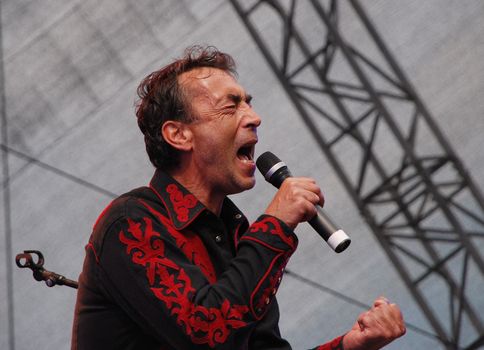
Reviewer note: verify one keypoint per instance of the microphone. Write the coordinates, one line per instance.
(275, 171)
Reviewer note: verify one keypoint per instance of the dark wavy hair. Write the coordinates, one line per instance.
(162, 99)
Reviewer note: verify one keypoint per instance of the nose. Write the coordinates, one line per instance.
(252, 119)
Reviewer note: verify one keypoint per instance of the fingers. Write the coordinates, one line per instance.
(314, 188)
(295, 201)
(376, 327)
(302, 194)
(388, 317)
(381, 300)
(307, 188)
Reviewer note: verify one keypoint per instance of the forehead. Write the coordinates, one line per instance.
(207, 81)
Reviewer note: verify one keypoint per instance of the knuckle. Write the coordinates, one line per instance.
(299, 202)
(315, 198)
(365, 316)
(311, 211)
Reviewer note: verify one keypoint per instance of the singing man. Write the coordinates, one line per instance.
(175, 265)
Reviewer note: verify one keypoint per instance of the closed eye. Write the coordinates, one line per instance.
(237, 99)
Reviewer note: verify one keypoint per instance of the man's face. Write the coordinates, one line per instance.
(224, 131)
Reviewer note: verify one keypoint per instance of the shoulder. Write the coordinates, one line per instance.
(130, 208)
(140, 202)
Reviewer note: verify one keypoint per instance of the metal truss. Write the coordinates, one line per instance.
(395, 163)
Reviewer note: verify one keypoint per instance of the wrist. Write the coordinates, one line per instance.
(340, 344)
(349, 342)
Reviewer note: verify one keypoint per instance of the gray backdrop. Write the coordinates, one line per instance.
(71, 71)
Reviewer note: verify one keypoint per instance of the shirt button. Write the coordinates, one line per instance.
(218, 238)
(268, 301)
(238, 216)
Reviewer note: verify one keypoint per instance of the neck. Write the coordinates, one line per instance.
(200, 188)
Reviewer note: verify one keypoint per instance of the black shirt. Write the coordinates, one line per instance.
(163, 272)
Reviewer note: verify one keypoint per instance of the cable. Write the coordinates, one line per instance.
(56, 171)
(290, 273)
(99, 189)
(357, 303)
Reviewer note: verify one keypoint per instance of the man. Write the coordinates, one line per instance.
(176, 265)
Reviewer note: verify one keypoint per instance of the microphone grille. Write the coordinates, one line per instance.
(266, 161)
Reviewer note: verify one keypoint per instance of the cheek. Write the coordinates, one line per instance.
(222, 135)
(211, 151)
(217, 140)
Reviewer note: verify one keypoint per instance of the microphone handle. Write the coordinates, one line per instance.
(336, 238)
(322, 224)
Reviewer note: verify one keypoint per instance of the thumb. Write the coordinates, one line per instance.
(361, 321)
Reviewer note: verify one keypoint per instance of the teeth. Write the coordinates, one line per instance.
(245, 158)
(245, 154)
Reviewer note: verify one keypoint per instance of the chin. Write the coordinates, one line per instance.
(244, 185)
(249, 184)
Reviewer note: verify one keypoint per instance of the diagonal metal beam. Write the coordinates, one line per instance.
(418, 202)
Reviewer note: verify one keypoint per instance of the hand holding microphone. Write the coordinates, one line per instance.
(297, 201)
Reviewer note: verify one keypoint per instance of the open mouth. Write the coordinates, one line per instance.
(246, 152)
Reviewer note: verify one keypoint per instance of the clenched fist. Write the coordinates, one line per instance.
(376, 327)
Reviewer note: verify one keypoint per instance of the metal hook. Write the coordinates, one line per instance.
(29, 261)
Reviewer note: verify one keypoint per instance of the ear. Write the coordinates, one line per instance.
(177, 134)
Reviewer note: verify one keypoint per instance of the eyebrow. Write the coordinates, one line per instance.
(237, 98)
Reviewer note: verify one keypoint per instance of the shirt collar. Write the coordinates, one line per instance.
(182, 206)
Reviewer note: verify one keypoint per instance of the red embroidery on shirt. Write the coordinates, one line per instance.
(237, 234)
(171, 284)
(271, 289)
(191, 245)
(146, 253)
(268, 284)
(272, 225)
(335, 344)
(91, 246)
(105, 210)
(181, 204)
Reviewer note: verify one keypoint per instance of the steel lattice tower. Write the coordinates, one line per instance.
(403, 175)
